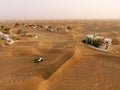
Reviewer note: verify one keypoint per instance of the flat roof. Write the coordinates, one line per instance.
(92, 36)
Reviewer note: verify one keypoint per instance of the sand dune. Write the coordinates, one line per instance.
(68, 64)
(87, 72)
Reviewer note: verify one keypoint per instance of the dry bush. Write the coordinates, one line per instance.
(98, 42)
(7, 29)
(16, 24)
(14, 37)
(2, 27)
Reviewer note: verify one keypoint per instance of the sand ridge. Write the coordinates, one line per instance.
(76, 56)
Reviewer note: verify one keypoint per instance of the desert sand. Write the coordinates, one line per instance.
(68, 63)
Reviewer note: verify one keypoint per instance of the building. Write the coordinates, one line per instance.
(6, 38)
(98, 41)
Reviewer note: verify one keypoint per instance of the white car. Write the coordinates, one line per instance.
(37, 60)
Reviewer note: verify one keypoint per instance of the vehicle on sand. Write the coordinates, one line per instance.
(37, 60)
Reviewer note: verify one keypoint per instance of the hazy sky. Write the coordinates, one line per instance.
(59, 9)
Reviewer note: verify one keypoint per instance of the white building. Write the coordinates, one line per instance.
(104, 46)
(6, 38)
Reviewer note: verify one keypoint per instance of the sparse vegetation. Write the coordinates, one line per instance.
(2, 27)
(7, 29)
(49, 26)
(40, 26)
(21, 32)
(16, 24)
(98, 42)
(14, 37)
(69, 28)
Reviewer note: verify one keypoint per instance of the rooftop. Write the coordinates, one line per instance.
(92, 36)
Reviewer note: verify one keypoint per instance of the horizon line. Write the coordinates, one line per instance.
(60, 19)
